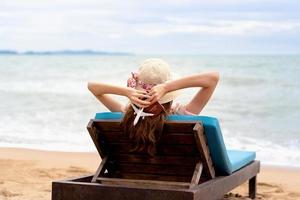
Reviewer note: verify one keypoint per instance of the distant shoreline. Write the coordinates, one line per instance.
(107, 53)
(65, 52)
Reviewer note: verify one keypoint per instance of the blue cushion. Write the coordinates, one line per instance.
(225, 162)
(109, 115)
(240, 158)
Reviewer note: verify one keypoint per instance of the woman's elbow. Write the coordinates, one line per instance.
(91, 87)
(215, 77)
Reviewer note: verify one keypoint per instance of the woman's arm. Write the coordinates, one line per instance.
(101, 91)
(207, 81)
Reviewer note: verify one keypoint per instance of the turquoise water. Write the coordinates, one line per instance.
(44, 102)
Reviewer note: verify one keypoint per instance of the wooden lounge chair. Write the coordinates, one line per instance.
(191, 163)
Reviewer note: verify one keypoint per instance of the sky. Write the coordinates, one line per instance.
(152, 27)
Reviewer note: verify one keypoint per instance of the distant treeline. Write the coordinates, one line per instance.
(63, 52)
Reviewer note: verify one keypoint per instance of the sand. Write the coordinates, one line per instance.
(27, 174)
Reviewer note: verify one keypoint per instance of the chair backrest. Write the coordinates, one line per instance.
(212, 132)
(178, 151)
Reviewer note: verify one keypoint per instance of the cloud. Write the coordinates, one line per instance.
(219, 27)
(133, 24)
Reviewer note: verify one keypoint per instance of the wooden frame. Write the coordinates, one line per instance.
(182, 169)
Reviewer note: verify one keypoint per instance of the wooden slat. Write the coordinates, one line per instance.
(69, 190)
(175, 127)
(145, 183)
(188, 150)
(155, 169)
(172, 138)
(197, 174)
(93, 133)
(112, 126)
(170, 126)
(204, 151)
(99, 170)
(158, 177)
(158, 160)
(177, 138)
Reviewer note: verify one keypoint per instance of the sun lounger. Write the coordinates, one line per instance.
(191, 163)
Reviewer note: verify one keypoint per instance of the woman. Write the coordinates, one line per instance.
(151, 92)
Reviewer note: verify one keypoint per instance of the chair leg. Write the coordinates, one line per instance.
(252, 187)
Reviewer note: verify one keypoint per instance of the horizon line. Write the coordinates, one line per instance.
(103, 52)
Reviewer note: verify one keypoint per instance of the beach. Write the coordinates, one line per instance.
(27, 174)
(49, 111)
(51, 51)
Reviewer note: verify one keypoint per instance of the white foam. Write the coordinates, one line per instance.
(266, 151)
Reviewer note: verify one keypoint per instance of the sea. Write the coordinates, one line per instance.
(45, 103)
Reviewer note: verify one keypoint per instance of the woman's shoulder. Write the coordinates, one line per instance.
(179, 109)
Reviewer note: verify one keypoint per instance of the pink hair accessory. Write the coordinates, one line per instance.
(133, 82)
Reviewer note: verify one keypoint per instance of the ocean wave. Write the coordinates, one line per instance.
(45, 103)
(268, 152)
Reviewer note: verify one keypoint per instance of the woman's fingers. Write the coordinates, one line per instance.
(143, 96)
(140, 103)
(142, 92)
(151, 92)
(152, 95)
(152, 99)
